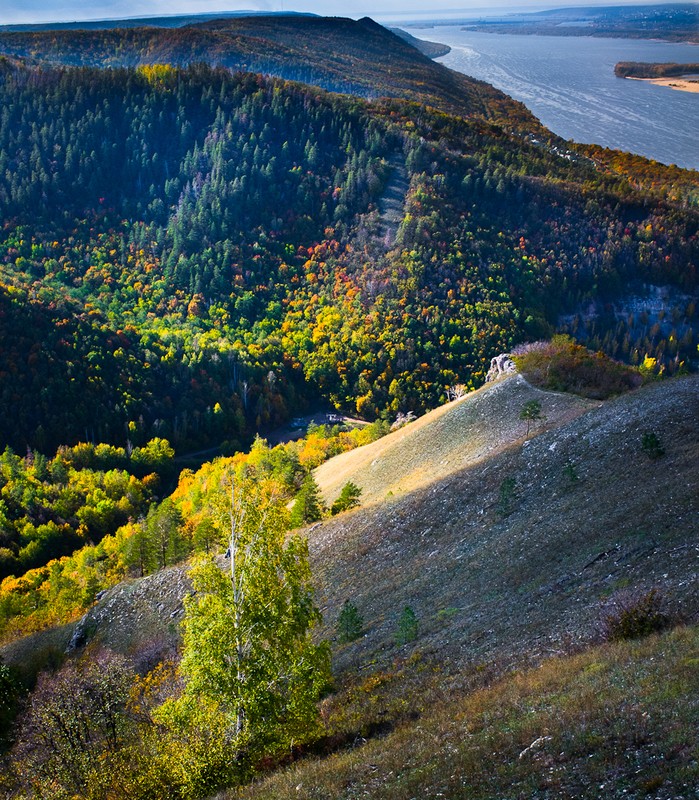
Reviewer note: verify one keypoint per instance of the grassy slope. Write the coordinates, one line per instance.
(514, 582)
(524, 579)
(496, 590)
(459, 434)
(614, 722)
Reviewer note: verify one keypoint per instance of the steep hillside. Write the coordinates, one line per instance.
(509, 558)
(615, 722)
(508, 546)
(459, 434)
(338, 54)
(181, 235)
(512, 555)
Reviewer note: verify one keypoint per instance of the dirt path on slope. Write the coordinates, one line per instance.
(392, 202)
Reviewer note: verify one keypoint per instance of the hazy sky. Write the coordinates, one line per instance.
(14, 11)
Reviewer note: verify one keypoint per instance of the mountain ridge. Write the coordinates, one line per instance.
(358, 57)
(474, 428)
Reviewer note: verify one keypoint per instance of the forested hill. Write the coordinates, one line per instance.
(196, 255)
(337, 54)
(166, 21)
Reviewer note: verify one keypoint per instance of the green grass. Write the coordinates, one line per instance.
(616, 721)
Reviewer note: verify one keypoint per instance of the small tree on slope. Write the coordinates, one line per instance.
(308, 506)
(349, 498)
(531, 412)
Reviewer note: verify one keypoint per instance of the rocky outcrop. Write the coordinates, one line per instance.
(499, 366)
(136, 612)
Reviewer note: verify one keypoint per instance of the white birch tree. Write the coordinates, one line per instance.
(247, 632)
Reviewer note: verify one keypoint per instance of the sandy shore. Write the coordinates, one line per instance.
(681, 84)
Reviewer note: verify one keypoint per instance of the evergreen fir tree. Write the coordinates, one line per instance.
(349, 623)
(407, 626)
(349, 498)
(308, 505)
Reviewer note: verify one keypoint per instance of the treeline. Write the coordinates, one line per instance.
(51, 507)
(656, 181)
(640, 69)
(79, 523)
(194, 255)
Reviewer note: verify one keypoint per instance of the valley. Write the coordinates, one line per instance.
(464, 563)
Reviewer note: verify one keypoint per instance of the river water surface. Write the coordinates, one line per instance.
(568, 82)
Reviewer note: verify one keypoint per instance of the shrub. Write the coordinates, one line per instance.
(308, 506)
(407, 626)
(531, 412)
(349, 623)
(564, 366)
(634, 614)
(570, 472)
(76, 729)
(10, 692)
(651, 445)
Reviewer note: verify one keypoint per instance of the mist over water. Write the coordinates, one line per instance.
(569, 84)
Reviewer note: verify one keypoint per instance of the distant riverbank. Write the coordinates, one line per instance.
(680, 84)
(683, 77)
(569, 84)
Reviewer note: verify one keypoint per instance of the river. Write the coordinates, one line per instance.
(568, 82)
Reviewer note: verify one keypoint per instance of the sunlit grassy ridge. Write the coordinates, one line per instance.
(506, 556)
(456, 435)
(510, 556)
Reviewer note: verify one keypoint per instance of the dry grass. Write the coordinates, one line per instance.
(617, 721)
(462, 433)
(590, 513)
(37, 652)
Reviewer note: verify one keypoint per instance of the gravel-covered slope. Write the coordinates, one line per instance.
(587, 513)
(492, 575)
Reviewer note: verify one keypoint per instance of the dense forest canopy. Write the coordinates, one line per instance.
(193, 254)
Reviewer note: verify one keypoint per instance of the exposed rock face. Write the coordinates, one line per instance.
(499, 366)
(79, 638)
